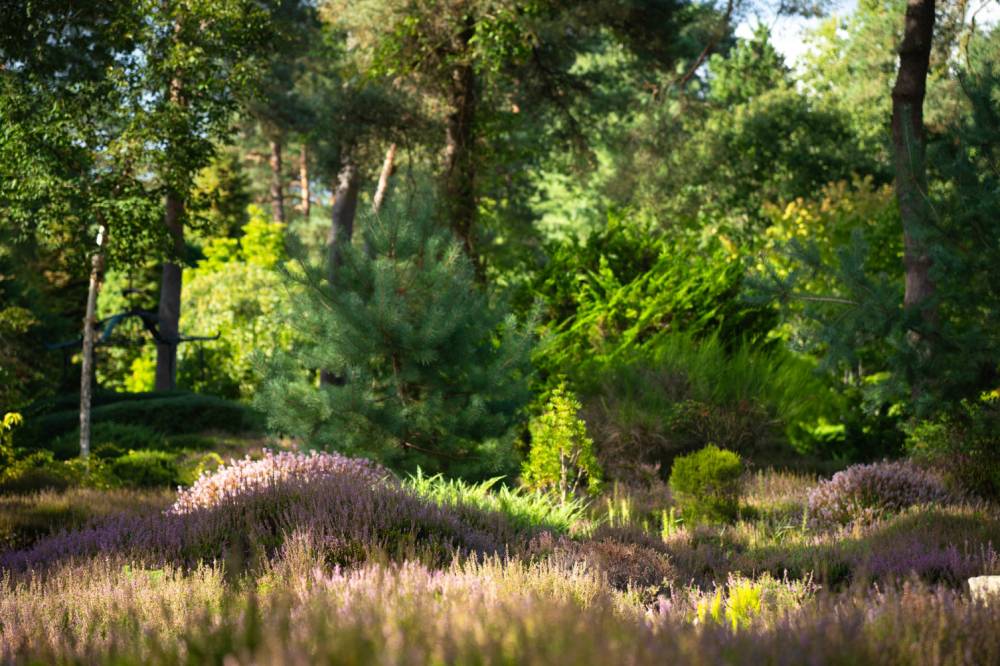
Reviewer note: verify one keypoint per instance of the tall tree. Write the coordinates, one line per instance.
(74, 123)
(202, 57)
(910, 159)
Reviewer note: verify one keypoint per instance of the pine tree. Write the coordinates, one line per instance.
(433, 373)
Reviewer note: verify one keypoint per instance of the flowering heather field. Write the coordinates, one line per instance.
(322, 559)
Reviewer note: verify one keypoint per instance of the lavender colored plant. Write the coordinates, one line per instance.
(863, 493)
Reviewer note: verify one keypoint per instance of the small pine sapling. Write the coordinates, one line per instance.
(562, 455)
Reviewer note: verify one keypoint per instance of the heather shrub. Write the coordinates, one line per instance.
(486, 612)
(864, 493)
(562, 457)
(146, 469)
(964, 446)
(25, 518)
(706, 484)
(247, 476)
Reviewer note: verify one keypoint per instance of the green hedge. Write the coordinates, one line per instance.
(174, 414)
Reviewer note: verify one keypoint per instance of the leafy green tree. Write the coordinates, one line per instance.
(562, 457)
(201, 59)
(433, 374)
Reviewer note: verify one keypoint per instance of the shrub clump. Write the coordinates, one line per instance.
(964, 445)
(707, 484)
(248, 476)
(146, 469)
(108, 437)
(863, 493)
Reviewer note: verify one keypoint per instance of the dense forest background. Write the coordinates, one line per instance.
(394, 227)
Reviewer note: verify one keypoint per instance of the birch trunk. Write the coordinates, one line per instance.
(383, 180)
(89, 334)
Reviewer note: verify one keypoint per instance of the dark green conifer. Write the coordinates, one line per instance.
(430, 371)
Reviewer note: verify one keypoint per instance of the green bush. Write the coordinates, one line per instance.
(107, 437)
(146, 469)
(707, 483)
(37, 471)
(175, 413)
(964, 445)
(191, 466)
(686, 393)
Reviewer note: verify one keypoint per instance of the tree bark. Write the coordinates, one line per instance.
(169, 313)
(277, 186)
(345, 205)
(388, 166)
(304, 192)
(89, 334)
(909, 155)
(460, 166)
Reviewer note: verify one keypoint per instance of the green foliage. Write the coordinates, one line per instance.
(525, 509)
(430, 372)
(170, 413)
(687, 393)
(106, 437)
(237, 293)
(146, 469)
(10, 421)
(624, 290)
(707, 484)
(192, 466)
(562, 456)
(965, 445)
(37, 471)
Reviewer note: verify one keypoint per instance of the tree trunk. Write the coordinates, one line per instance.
(345, 205)
(306, 205)
(170, 298)
(277, 189)
(909, 155)
(460, 166)
(89, 323)
(383, 180)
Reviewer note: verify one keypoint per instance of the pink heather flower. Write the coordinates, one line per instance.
(867, 492)
(247, 476)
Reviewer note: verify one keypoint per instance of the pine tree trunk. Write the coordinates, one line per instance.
(89, 335)
(345, 205)
(383, 180)
(277, 189)
(169, 313)
(909, 153)
(306, 206)
(460, 166)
